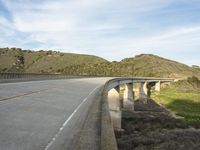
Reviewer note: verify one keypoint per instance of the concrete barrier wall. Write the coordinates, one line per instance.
(108, 140)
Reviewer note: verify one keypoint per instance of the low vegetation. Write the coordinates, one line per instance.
(183, 97)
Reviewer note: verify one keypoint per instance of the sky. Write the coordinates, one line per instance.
(113, 29)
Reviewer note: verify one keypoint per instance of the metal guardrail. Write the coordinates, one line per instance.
(31, 76)
(14, 75)
(18, 77)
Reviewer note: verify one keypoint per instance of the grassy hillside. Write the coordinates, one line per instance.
(55, 61)
(41, 61)
(11, 60)
(158, 66)
(141, 65)
(17, 60)
(183, 97)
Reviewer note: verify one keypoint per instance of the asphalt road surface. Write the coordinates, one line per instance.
(45, 115)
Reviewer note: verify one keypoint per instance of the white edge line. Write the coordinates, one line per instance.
(68, 119)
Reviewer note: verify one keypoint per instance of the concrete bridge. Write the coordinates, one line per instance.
(142, 91)
(75, 113)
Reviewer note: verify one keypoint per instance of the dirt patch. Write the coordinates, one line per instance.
(151, 127)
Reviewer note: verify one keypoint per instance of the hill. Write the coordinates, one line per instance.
(140, 65)
(17, 60)
(153, 65)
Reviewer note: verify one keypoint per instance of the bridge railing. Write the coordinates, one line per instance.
(30, 76)
(17, 77)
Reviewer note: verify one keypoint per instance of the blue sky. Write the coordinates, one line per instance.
(113, 29)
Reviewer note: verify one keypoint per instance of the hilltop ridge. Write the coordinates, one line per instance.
(18, 60)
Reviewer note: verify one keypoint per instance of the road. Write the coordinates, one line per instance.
(45, 115)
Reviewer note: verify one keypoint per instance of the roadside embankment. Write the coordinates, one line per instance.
(151, 126)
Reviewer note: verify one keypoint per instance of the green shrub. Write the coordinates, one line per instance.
(194, 81)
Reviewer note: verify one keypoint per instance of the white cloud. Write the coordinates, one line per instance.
(109, 28)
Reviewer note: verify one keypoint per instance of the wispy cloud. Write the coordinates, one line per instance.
(109, 28)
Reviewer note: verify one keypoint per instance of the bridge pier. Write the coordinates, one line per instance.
(128, 103)
(157, 86)
(143, 92)
(114, 107)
